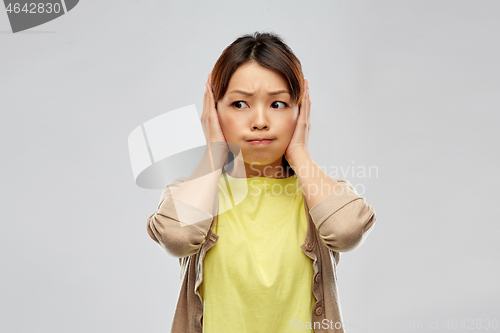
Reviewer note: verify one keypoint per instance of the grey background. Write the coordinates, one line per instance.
(410, 87)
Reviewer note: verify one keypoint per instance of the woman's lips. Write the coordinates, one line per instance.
(260, 142)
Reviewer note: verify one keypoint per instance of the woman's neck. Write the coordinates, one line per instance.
(242, 169)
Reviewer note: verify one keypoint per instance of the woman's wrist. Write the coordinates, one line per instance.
(217, 154)
(296, 159)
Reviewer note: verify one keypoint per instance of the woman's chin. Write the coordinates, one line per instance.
(261, 160)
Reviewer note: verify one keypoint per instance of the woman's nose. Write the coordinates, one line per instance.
(260, 119)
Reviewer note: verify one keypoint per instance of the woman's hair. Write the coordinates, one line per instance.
(268, 50)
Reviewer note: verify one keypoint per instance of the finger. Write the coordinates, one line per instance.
(303, 106)
(308, 105)
(205, 103)
(301, 119)
(307, 108)
(306, 100)
(205, 96)
(211, 98)
(308, 93)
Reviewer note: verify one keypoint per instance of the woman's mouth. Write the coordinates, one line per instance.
(260, 142)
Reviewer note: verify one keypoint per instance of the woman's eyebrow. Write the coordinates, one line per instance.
(251, 94)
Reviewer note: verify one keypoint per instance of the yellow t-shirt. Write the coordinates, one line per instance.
(257, 278)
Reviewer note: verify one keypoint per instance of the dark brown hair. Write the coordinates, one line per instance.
(268, 50)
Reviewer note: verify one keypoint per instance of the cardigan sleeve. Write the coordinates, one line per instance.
(179, 228)
(344, 219)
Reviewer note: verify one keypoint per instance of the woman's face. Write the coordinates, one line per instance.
(258, 104)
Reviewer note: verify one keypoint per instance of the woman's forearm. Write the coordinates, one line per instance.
(343, 218)
(181, 222)
(315, 183)
(202, 185)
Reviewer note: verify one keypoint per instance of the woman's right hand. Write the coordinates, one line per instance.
(210, 118)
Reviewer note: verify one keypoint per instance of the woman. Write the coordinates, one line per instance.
(254, 257)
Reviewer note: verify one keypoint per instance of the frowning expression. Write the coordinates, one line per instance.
(258, 105)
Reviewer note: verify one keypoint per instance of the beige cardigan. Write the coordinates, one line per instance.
(338, 223)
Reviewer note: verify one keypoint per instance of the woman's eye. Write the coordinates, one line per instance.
(284, 104)
(237, 103)
(275, 105)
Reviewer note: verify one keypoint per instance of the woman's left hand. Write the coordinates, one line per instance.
(300, 137)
